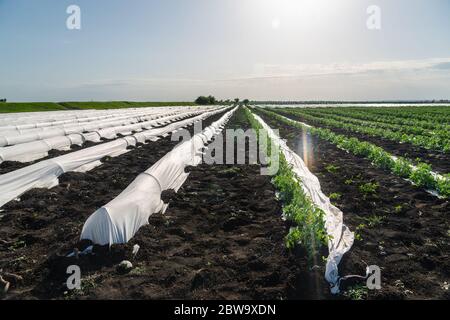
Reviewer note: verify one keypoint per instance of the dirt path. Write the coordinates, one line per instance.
(400, 228)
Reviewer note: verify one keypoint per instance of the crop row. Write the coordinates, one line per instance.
(443, 134)
(421, 175)
(429, 113)
(308, 220)
(387, 119)
(438, 143)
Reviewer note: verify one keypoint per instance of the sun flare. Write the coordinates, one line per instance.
(276, 23)
(294, 11)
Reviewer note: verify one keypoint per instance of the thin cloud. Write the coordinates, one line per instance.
(270, 71)
(284, 72)
(134, 82)
(443, 66)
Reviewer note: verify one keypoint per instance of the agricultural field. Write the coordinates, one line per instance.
(130, 198)
(387, 170)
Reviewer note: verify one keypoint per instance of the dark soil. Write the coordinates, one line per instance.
(440, 161)
(400, 228)
(221, 238)
(33, 231)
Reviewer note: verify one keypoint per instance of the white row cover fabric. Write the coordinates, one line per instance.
(46, 130)
(21, 136)
(26, 152)
(29, 120)
(24, 118)
(341, 238)
(44, 174)
(119, 220)
(21, 122)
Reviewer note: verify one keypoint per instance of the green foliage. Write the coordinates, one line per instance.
(88, 284)
(443, 186)
(358, 230)
(369, 188)
(309, 230)
(293, 238)
(374, 221)
(348, 182)
(11, 107)
(380, 158)
(398, 208)
(335, 196)
(265, 144)
(421, 176)
(357, 292)
(298, 208)
(203, 101)
(402, 168)
(437, 138)
(421, 118)
(332, 168)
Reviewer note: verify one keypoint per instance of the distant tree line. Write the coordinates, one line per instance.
(211, 100)
(2, 100)
(203, 101)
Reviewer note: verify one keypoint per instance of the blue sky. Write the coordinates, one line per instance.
(165, 50)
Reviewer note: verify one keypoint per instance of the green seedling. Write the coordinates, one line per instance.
(332, 168)
(369, 188)
(335, 196)
(358, 292)
(398, 208)
(374, 221)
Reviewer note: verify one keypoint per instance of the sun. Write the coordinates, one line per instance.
(294, 12)
(276, 23)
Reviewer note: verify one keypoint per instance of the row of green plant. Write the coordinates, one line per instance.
(415, 126)
(392, 118)
(428, 114)
(428, 142)
(425, 113)
(421, 175)
(418, 131)
(308, 220)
